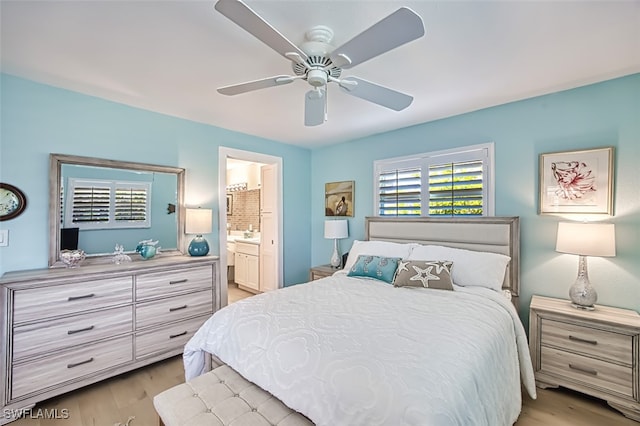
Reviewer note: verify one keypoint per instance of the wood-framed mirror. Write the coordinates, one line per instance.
(85, 214)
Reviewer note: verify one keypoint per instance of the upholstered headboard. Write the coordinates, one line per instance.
(490, 234)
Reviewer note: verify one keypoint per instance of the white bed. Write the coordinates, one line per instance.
(354, 351)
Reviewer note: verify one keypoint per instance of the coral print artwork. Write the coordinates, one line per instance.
(577, 182)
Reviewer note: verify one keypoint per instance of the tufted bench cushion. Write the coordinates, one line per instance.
(222, 397)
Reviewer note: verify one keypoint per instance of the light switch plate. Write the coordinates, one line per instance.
(4, 237)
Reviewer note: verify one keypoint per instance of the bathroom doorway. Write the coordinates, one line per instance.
(250, 217)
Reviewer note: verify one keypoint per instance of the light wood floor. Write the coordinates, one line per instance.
(234, 293)
(114, 401)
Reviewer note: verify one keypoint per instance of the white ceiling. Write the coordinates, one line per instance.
(170, 56)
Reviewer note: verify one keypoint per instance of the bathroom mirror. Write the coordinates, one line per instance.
(82, 216)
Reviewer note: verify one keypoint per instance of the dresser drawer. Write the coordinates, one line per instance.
(165, 283)
(167, 338)
(600, 344)
(53, 301)
(36, 376)
(44, 337)
(174, 308)
(590, 372)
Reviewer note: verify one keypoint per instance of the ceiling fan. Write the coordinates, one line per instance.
(318, 63)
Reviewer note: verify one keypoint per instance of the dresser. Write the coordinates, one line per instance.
(62, 329)
(594, 352)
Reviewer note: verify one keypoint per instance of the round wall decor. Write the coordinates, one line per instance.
(12, 201)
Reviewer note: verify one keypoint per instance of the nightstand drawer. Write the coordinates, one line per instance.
(599, 344)
(588, 371)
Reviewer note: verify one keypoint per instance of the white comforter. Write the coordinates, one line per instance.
(350, 351)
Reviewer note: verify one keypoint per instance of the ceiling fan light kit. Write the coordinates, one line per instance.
(318, 63)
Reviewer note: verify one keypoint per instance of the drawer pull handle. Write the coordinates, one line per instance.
(173, 336)
(581, 340)
(583, 369)
(87, 361)
(178, 281)
(86, 296)
(80, 330)
(178, 308)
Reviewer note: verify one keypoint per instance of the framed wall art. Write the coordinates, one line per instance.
(339, 197)
(578, 182)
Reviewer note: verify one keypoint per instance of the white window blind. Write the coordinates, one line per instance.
(105, 204)
(457, 182)
(456, 189)
(399, 191)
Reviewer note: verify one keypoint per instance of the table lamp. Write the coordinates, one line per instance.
(198, 221)
(585, 239)
(336, 229)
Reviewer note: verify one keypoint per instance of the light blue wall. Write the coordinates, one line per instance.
(605, 114)
(38, 120)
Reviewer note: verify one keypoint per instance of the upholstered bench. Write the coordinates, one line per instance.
(222, 397)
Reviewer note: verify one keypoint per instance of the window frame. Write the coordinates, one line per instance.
(484, 152)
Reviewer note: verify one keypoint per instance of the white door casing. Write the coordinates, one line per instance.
(277, 203)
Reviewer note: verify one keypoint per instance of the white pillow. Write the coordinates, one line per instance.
(470, 268)
(377, 248)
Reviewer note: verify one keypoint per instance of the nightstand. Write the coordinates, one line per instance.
(594, 352)
(321, 271)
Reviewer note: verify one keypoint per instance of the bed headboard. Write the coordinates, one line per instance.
(492, 234)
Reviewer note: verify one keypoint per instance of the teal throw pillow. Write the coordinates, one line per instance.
(378, 267)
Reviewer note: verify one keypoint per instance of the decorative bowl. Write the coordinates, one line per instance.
(71, 258)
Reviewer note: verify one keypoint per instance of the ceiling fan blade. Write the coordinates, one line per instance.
(315, 102)
(251, 22)
(237, 89)
(401, 27)
(375, 93)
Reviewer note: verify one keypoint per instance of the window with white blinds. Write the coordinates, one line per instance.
(107, 204)
(450, 183)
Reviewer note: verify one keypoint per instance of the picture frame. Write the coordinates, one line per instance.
(339, 198)
(576, 182)
(229, 204)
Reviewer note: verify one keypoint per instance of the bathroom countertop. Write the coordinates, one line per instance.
(242, 239)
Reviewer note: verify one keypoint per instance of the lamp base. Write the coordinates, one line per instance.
(198, 246)
(582, 293)
(336, 261)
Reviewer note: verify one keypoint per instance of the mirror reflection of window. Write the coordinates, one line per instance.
(113, 206)
(101, 204)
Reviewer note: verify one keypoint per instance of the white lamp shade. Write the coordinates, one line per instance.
(198, 221)
(586, 239)
(336, 229)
